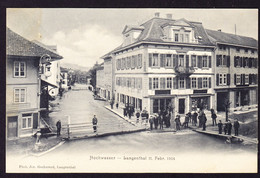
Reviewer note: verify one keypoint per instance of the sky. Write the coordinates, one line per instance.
(84, 35)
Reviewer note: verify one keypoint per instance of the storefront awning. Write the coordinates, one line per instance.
(45, 83)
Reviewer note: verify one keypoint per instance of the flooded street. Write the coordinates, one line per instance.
(146, 151)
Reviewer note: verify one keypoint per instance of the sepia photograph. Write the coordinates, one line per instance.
(131, 90)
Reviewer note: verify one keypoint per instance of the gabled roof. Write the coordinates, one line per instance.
(221, 37)
(17, 45)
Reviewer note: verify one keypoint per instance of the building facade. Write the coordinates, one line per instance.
(236, 71)
(23, 84)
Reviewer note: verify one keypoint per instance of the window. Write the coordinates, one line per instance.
(246, 79)
(155, 83)
(169, 82)
(162, 83)
(168, 61)
(193, 82)
(155, 60)
(186, 38)
(205, 82)
(26, 121)
(181, 38)
(246, 50)
(181, 82)
(252, 51)
(237, 49)
(123, 63)
(19, 95)
(19, 69)
(181, 60)
(176, 37)
(224, 79)
(220, 79)
(238, 79)
(128, 65)
(193, 61)
(204, 61)
(246, 62)
(132, 62)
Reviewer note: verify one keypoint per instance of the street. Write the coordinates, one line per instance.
(186, 150)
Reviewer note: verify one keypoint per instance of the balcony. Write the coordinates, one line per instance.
(182, 70)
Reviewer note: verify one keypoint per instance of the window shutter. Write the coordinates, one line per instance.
(250, 62)
(209, 61)
(117, 64)
(250, 79)
(162, 60)
(235, 79)
(217, 80)
(173, 60)
(150, 83)
(187, 60)
(209, 82)
(176, 61)
(241, 61)
(141, 61)
(228, 61)
(256, 62)
(188, 82)
(235, 61)
(218, 60)
(175, 83)
(150, 59)
(256, 78)
(228, 79)
(243, 76)
(199, 82)
(244, 61)
(199, 61)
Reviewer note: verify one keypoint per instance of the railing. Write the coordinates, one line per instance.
(184, 70)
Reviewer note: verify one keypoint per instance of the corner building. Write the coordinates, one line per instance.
(165, 62)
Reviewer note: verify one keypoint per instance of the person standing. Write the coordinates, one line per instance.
(186, 121)
(203, 121)
(220, 125)
(125, 112)
(225, 128)
(229, 127)
(161, 121)
(214, 117)
(116, 105)
(177, 120)
(94, 122)
(151, 121)
(156, 119)
(194, 117)
(137, 116)
(236, 126)
(58, 125)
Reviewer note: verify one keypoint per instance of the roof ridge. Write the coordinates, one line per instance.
(231, 34)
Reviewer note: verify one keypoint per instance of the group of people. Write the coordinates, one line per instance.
(160, 119)
(128, 110)
(228, 127)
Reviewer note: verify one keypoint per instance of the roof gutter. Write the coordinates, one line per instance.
(217, 42)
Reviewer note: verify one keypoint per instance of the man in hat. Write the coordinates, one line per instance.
(94, 122)
(220, 125)
(58, 125)
(236, 126)
(151, 121)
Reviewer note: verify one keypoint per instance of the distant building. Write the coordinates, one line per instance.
(100, 83)
(235, 70)
(23, 83)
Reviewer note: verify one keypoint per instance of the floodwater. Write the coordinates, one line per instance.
(184, 151)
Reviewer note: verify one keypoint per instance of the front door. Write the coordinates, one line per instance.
(181, 106)
(12, 127)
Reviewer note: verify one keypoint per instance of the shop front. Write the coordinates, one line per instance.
(200, 102)
(161, 104)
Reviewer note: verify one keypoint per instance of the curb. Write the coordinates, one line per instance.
(119, 115)
(105, 134)
(42, 153)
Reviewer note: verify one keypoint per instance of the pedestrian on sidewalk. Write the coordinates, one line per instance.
(225, 128)
(125, 111)
(94, 122)
(236, 126)
(129, 112)
(111, 104)
(203, 121)
(220, 125)
(156, 121)
(116, 105)
(189, 114)
(229, 127)
(161, 121)
(186, 121)
(194, 118)
(178, 122)
(58, 125)
(214, 117)
(137, 116)
(151, 121)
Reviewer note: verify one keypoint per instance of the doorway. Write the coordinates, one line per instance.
(181, 106)
(12, 127)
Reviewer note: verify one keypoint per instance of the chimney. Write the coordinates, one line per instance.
(157, 14)
(219, 30)
(169, 16)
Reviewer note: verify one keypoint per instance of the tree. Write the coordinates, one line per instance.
(93, 74)
(227, 105)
